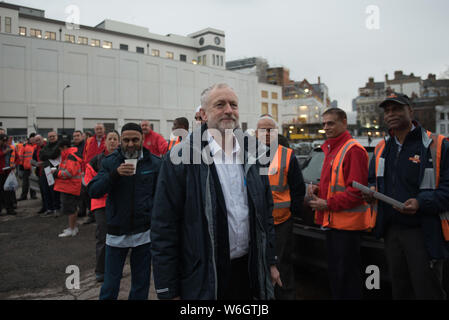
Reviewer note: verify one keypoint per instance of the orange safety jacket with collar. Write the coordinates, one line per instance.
(360, 218)
(28, 151)
(435, 151)
(278, 175)
(69, 175)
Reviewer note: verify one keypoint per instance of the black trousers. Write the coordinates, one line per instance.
(284, 250)
(6, 197)
(100, 236)
(26, 185)
(238, 287)
(344, 265)
(413, 274)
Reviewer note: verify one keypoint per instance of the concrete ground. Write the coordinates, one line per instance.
(34, 260)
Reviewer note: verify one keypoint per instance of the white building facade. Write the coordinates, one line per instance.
(129, 75)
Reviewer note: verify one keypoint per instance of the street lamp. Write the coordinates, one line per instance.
(63, 114)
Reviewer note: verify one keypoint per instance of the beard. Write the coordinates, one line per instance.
(132, 153)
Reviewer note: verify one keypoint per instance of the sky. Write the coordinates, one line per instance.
(343, 42)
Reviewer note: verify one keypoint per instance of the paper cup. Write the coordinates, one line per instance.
(133, 162)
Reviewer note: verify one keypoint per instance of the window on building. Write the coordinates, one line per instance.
(274, 111)
(442, 128)
(441, 116)
(274, 95)
(155, 52)
(204, 59)
(123, 47)
(264, 94)
(183, 57)
(199, 60)
(36, 33)
(140, 50)
(170, 55)
(95, 43)
(0, 24)
(213, 59)
(83, 40)
(50, 35)
(107, 44)
(22, 31)
(264, 108)
(70, 38)
(221, 61)
(8, 24)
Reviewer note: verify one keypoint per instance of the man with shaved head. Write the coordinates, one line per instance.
(287, 188)
(153, 141)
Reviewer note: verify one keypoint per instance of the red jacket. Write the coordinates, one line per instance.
(68, 177)
(354, 169)
(91, 149)
(92, 169)
(155, 143)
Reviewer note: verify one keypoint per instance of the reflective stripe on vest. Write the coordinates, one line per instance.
(431, 178)
(358, 218)
(174, 142)
(27, 155)
(277, 175)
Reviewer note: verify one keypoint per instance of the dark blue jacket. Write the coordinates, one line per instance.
(130, 198)
(403, 176)
(184, 235)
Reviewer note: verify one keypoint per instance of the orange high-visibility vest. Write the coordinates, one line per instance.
(278, 174)
(435, 151)
(13, 156)
(19, 159)
(358, 218)
(174, 142)
(28, 151)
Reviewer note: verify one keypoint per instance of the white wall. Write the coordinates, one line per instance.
(111, 85)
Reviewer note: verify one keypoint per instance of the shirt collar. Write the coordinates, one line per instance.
(215, 147)
(396, 139)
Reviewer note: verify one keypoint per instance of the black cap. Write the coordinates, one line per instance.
(132, 126)
(396, 97)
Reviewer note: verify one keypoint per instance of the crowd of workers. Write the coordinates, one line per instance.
(219, 223)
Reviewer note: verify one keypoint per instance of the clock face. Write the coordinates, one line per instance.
(217, 40)
(201, 41)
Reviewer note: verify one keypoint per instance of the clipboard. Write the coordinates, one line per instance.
(49, 175)
(378, 195)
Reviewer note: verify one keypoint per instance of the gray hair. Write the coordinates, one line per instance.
(205, 94)
(269, 117)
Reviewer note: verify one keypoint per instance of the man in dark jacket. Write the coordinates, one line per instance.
(402, 168)
(50, 152)
(129, 206)
(212, 228)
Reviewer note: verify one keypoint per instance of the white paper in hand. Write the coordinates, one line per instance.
(49, 175)
(378, 195)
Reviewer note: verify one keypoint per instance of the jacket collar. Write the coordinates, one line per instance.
(334, 143)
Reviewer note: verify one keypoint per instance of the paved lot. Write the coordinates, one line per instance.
(34, 260)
